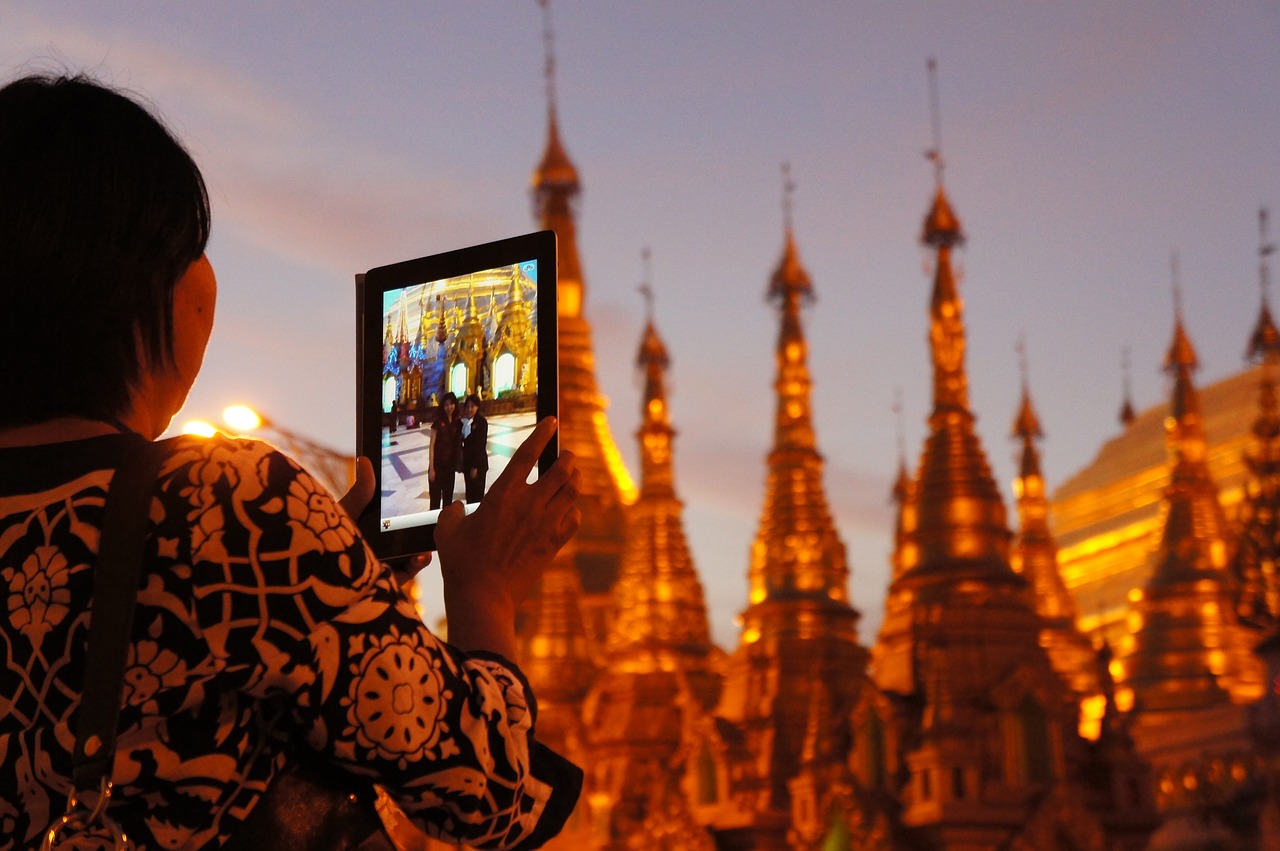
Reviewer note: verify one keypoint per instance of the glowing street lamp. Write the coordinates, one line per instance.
(200, 428)
(242, 418)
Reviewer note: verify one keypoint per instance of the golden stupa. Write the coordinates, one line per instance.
(660, 675)
(798, 653)
(979, 731)
(563, 627)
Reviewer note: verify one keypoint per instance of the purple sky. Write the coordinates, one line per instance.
(1084, 141)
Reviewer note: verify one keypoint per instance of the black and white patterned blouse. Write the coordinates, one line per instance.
(264, 626)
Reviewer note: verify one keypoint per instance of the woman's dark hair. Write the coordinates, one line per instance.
(101, 212)
(448, 397)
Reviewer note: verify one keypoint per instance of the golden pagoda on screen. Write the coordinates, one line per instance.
(471, 334)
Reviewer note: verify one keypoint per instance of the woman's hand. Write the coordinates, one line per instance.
(361, 494)
(493, 558)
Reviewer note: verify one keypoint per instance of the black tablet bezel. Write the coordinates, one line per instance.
(397, 544)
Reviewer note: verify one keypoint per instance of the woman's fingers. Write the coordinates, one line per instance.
(361, 493)
(448, 523)
(526, 456)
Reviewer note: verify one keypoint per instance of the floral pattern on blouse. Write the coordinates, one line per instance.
(265, 627)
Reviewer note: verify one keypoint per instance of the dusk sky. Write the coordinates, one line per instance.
(1084, 142)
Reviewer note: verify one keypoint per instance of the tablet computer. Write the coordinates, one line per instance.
(456, 363)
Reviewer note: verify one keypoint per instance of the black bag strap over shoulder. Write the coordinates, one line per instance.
(116, 577)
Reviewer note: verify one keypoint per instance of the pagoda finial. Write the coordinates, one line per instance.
(934, 154)
(548, 43)
(556, 180)
(788, 193)
(900, 424)
(1127, 414)
(1265, 249)
(1026, 425)
(1258, 558)
(790, 283)
(402, 328)
(646, 288)
(1264, 343)
(442, 333)
(1181, 353)
(941, 227)
(1021, 348)
(1035, 553)
(1175, 280)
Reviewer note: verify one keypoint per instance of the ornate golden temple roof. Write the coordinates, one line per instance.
(1189, 651)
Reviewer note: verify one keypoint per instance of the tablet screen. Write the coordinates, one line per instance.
(461, 378)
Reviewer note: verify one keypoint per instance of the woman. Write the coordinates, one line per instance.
(475, 448)
(265, 627)
(445, 455)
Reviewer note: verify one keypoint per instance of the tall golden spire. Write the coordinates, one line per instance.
(1035, 556)
(606, 485)
(894, 639)
(658, 680)
(960, 641)
(661, 617)
(797, 552)
(798, 613)
(1189, 651)
(1258, 560)
(954, 519)
(954, 470)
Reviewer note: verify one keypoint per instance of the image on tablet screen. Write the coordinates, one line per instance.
(459, 388)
